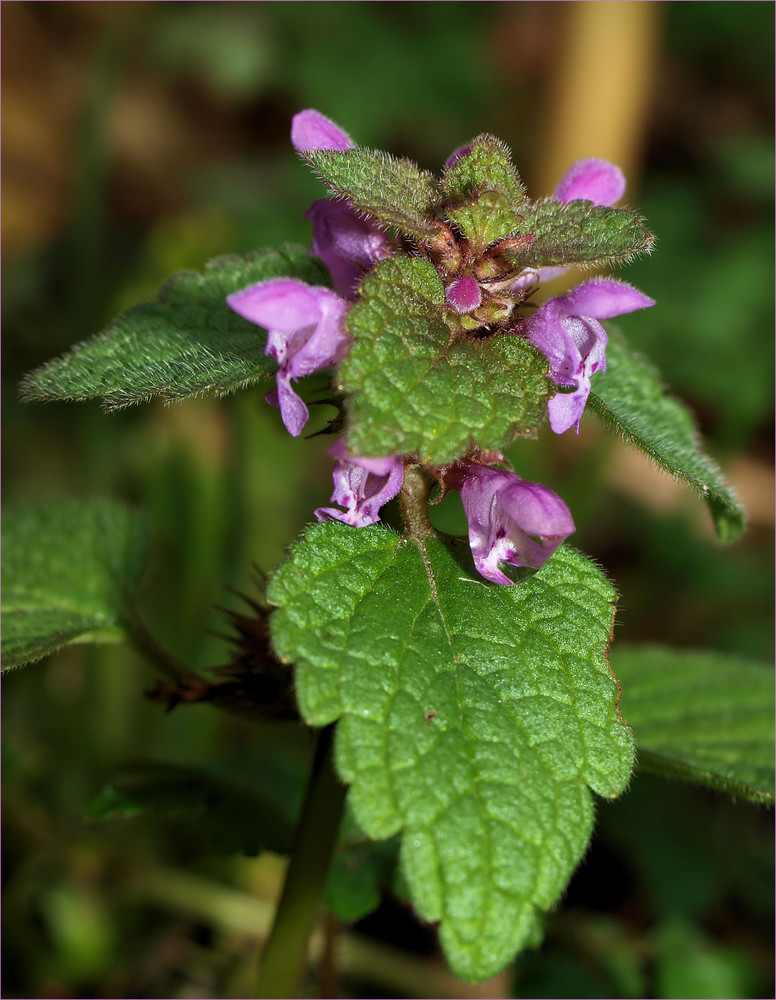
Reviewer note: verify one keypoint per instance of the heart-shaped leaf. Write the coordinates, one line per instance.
(472, 718)
(395, 191)
(580, 232)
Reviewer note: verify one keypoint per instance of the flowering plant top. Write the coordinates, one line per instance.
(432, 320)
(475, 717)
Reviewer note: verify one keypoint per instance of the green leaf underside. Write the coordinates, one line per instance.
(487, 165)
(630, 399)
(700, 716)
(416, 389)
(395, 191)
(472, 717)
(580, 232)
(229, 816)
(68, 571)
(186, 343)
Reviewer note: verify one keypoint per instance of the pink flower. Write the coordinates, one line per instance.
(566, 330)
(362, 486)
(588, 180)
(305, 334)
(349, 244)
(312, 130)
(510, 520)
(591, 180)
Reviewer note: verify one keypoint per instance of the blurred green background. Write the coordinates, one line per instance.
(144, 138)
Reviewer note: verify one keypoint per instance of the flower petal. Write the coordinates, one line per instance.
(328, 342)
(592, 180)
(378, 466)
(546, 331)
(603, 298)
(306, 332)
(293, 411)
(565, 408)
(312, 130)
(566, 330)
(347, 243)
(457, 154)
(285, 304)
(591, 340)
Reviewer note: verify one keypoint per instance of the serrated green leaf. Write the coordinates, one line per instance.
(485, 219)
(701, 716)
(417, 389)
(395, 191)
(486, 166)
(482, 193)
(472, 718)
(630, 399)
(69, 570)
(229, 816)
(580, 232)
(186, 343)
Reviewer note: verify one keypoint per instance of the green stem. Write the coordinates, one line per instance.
(285, 954)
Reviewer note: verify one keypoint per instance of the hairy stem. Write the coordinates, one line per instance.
(413, 502)
(285, 954)
(145, 644)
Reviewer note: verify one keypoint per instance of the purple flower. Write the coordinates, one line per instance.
(566, 330)
(510, 520)
(590, 180)
(349, 244)
(362, 486)
(312, 130)
(464, 294)
(305, 334)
